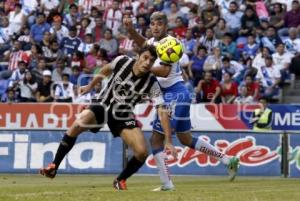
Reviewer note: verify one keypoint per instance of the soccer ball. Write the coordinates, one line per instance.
(169, 50)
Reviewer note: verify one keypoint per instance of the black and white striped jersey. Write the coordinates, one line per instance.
(126, 89)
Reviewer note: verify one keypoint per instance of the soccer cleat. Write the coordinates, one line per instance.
(120, 185)
(163, 188)
(233, 167)
(49, 171)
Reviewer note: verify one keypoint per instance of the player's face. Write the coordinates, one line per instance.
(158, 29)
(145, 62)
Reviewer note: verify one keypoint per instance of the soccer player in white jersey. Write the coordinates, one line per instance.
(179, 99)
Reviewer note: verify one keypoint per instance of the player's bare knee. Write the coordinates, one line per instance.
(141, 154)
(86, 118)
(185, 139)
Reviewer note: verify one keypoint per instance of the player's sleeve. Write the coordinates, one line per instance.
(156, 95)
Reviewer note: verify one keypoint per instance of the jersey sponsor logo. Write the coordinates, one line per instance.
(130, 123)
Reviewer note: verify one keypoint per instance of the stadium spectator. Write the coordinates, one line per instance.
(195, 68)
(252, 86)
(286, 4)
(75, 75)
(126, 47)
(229, 89)
(221, 29)
(282, 60)
(72, 18)
(46, 43)
(59, 69)
(277, 16)
(228, 47)
(99, 29)
(193, 18)
(70, 44)
(29, 7)
(294, 67)
(232, 67)
(249, 21)
(180, 29)
(270, 78)
(259, 59)
(90, 61)
(291, 18)
(38, 30)
(85, 6)
(58, 30)
(16, 55)
(213, 62)
(292, 43)
(173, 15)
(233, 18)
(37, 72)
(86, 27)
(77, 60)
(113, 17)
(24, 38)
(64, 90)
(16, 19)
(251, 47)
(271, 40)
(209, 40)
(86, 45)
(210, 15)
(244, 97)
(44, 91)
(18, 74)
(142, 24)
(9, 97)
(208, 89)
(4, 37)
(189, 43)
(109, 43)
(27, 87)
(49, 5)
(102, 57)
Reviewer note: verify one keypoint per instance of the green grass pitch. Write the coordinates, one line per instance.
(190, 188)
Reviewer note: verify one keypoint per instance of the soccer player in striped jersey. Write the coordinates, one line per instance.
(179, 99)
(131, 82)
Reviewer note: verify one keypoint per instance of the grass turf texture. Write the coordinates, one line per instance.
(99, 187)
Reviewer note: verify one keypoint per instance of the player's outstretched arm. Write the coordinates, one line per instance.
(138, 39)
(105, 72)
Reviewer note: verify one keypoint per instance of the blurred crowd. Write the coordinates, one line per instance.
(234, 51)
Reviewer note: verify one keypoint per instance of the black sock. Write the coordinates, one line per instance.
(65, 146)
(132, 167)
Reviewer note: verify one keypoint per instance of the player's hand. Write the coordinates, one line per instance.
(171, 148)
(84, 89)
(128, 23)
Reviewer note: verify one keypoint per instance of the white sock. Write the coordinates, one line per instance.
(163, 170)
(205, 147)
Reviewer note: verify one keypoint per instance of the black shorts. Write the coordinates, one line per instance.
(115, 124)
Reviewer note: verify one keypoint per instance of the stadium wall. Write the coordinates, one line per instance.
(30, 135)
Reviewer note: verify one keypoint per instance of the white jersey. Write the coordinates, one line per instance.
(175, 74)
